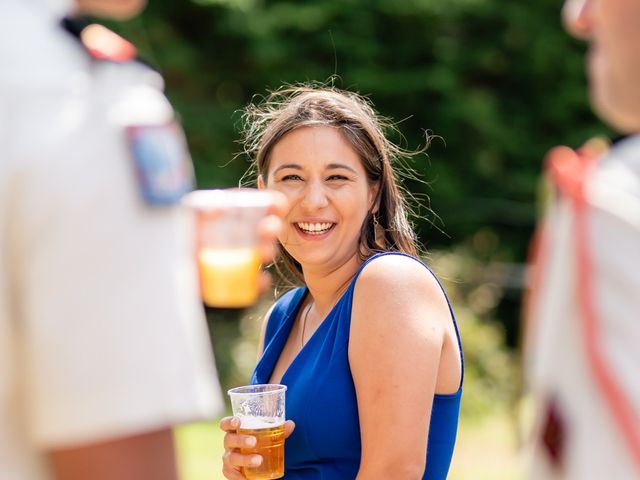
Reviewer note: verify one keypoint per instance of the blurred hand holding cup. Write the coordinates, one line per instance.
(261, 411)
(228, 249)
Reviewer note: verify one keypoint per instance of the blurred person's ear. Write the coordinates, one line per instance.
(575, 18)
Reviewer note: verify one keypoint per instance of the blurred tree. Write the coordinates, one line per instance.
(499, 82)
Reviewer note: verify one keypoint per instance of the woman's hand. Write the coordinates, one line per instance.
(233, 460)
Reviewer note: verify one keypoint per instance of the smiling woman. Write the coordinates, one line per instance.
(368, 347)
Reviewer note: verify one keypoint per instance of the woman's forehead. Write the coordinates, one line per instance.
(314, 143)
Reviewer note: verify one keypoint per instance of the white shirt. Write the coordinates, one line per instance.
(561, 373)
(102, 333)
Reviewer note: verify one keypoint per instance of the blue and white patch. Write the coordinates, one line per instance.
(162, 161)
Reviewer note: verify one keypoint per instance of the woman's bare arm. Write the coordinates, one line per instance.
(398, 328)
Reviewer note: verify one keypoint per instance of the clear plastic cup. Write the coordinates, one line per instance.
(261, 410)
(227, 244)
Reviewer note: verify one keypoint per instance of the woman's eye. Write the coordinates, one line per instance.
(337, 177)
(291, 178)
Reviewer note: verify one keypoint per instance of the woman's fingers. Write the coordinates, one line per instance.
(232, 474)
(236, 441)
(289, 427)
(230, 424)
(233, 458)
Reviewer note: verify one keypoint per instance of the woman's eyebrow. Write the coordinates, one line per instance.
(331, 166)
(295, 166)
(340, 165)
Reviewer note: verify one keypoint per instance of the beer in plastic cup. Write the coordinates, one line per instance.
(261, 410)
(228, 255)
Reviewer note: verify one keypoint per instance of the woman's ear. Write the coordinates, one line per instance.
(261, 184)
(374, 200)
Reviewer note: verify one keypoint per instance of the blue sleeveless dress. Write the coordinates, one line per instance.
(321, 397)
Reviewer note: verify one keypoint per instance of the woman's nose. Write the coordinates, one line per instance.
(314, 196)
(576, 17)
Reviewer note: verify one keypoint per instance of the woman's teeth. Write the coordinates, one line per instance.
(315, 228)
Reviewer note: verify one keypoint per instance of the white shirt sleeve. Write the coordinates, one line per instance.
(113, 339)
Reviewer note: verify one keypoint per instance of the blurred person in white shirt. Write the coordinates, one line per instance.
(583, 328)
(103, 341)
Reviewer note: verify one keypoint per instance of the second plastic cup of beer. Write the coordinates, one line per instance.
(228, 257)
(261, 410)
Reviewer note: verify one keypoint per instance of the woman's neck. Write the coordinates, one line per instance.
(327, 285)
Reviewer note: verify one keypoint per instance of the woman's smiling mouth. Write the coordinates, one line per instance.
(317, 228)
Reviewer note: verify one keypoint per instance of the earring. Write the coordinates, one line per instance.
(379, 236)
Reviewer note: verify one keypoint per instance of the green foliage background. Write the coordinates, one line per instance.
(499, 81)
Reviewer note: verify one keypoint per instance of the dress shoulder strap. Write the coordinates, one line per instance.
(283, 309)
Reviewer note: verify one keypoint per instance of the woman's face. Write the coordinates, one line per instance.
(329, 195)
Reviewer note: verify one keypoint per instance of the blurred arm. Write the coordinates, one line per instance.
(148, 456)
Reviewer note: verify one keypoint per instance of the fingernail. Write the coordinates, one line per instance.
(255, 460)
(250, 442)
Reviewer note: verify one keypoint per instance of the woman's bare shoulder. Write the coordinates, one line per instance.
(398, 275)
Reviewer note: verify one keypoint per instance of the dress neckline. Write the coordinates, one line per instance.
(274, 349)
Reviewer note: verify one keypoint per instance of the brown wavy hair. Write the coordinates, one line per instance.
(267, 121)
